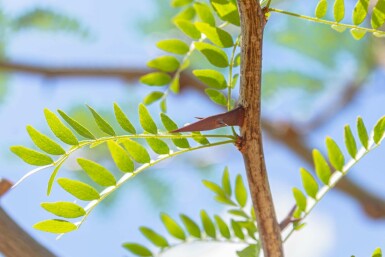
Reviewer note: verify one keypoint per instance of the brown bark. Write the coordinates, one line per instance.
(252, 25)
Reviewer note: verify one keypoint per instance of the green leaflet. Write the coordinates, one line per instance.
(216, 35)
(222, 226)
(174, 85)
(31, 156)
(97, 172)
(156, 79)
(226, 184)
(78, 189)
(377, 253)
(378, 15)
(213, 54)
(337, 159)
(137, 151)
(360, 11)
(158, 146)
(76, 126)
(186, 14)
(204, 13)
(357, 34)
(339, 10)
(214, 187)
(180, 3)
(154, 237)
(44, 143)
(192, 228)
(174, 46)
(146, 120)
(240, 191)
(208, 224)
(362, 133)
(102, 124)
(250, 251)
(227, 11)
(170, 125)
(172, 227)
(197, 137)
(122, 119)
(309, 183)
(237, 230)
(164, 63)
(350, 142)
(152, 97)
(138, 249)
(52, 178)
(64, 209)
(55, 226)
(321, 9)
(300, 199)
(379, 130)
(212, 78)
(216, 96)
(322, 168)
(120, 157)
(59, 129)
(188, 28)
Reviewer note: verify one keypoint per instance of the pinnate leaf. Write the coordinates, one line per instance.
(180, 3)
(339, 10)
(152, 97)
(223, 228)
(360, 11)
(250, 251)
(227, 11)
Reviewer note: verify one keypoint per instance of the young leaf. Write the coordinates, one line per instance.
(120, 157)
(146, 120)
(192, 228)
(223, 228)
(154, 237)
(208, 224)
(174, 46)
(357, 33)
(226, 185)
(172, 227)
(250, 251)
(102, 124)
(188, 28)
(300, 199)
(362, 133)
(216, 96)
(158, 146)
(164, 63)
(339, 10)
(204, 13)
(55, 226)
(170, 126)
(350, 142)
(322, 168)
(212, 78)
(64, 209)
(379, 130)
(213, 54)
(137, 151)
(138, 249)
(360, 11)
(122, 119)
(378, 15)
(321, 9)
(45, 143)
(240, 191)
(180, 3)
(31, 156)
(227, 11)
(59, 129)
(309, 183)
(337, 159)
(97, 172)
(237, 230)
(76, 126)
(156, 79)
(152, 97)
(78, 189)
(216, 35)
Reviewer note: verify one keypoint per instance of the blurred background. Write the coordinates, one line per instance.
(63, 55)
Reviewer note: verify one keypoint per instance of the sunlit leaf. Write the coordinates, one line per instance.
(223, 228)
(212, 78)
(120, 157)
(339, 10)
(204, 13)
(322, 168)
(97, 172)
(309, 183)
(379, 130)
(192, 228)
(216, 96)
(55, 226)
(137, 151)
(300, 199)
(240, 191)
(154, 237)
(188, 28)
(156, 79)
(45, 143)
(170, 125)
(214, 55)
(81, 130)
(321, 9)
(78, 189)
(226, 185)
(137, 249)
(378, 15)
(64, 209)
(59, 129)
(158, 146)
(180, 3)
(172, 227)
(357, 33)
(122, 119)
(146, 120)
(164, 63)
(237, 230)
(362, 133)
(153, 97)
(102, 123)
(252, 250)
(360, 11)
(227, 11)
(350, 142)
(216, 35)
(337, 159)
(174, 46)
(31, 156)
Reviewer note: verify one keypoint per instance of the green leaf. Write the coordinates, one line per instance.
(31, 156)
(379, 130)
(309, 183)
(158, 146)
(192, 228)
(378, 15)
(175, 86)
(164, 63)
(377, 253)
(138, 249)
(337, 159)
(237, 230)
(322, 168)
(204, 13)
(137, 151)
(163, 105)
(240, 191)
(357, 33)
(45, 143)
(213, 54)
(339, 28)
(208, 225)
(224, 200)
(78, 189)
(227, 11)
(216, 96)
(55, 226)
(180, 3)
(97, 172)
(252, 250)
(223, 228)
(237, 60)
(238, 212)
(212, 78)
(120, 157)
(362, 133)
(102, 124)
(199, 138)
(64, 209)
(170, 126)
(186, 14)
(52, 178)
(226, 184)
(154, 237)
(214, 187)
(172, 227)
(156, 79)
(59, 129)
(174, 46)
(76, 126)
(300, 199)
(350, 142)
(188, 28)
(216, 35)
(339, 10)
(360, 11)
(152, 97)
(122, 119)
(146, 120)
(321, 9)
